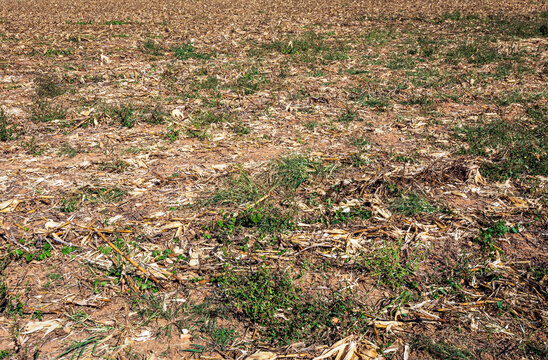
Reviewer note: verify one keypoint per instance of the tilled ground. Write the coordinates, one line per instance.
(238, 179)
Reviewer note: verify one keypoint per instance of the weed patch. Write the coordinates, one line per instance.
(6, 129)
(440, 350)
(412, 204)
(115, 166)
(292, 171)
(187, 51)
(49, 86)
(488, 236)
(43, 111)
(238, 189)
(273, 301)
(388, 265)
(514, 147)
(150, 47)
(123, 114)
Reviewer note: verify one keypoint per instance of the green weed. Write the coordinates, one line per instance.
(240, 128)
(155, 115)
(412, 204)
(309, 42)
(172, 133)
(49, 86)
(514, 148)
(389, 266)
(379, 36)
(69, 151)
(43, 111)
(123, 114)
(211, 83)
(150, 47)
(115, 166)
(399, 61)
(440, 350)
(187, 51)
(292, 171)
(488, 236)
(238, 189)
(348, 116)
(115, 22)
(267, 219)
(6, 130)
(250, 82)
(59, 52)
(475, 53)
(272, 300)
(70, 203)
(32, 148)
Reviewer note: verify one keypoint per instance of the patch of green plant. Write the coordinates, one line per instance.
(412, 204)
(54, 276)
(353, 71)
(487, 237)
(41, 254)
(43, 111)
(211, 83)
(70, 203)
(14, 306)
(272, 300)
(308, 42)
(398, 62)
(422, 100)
(348, 115)
(454, 16)
(237, 189)
(537, 113)
(123, 114)
(292, 171)
(69, 151)
(439, 350)
(267, 219)
(519, 97)
(343, 216)
(513, 147)
(49, 86)
(336, 53)
(369, 99)
(250, 82)
(32, 148)
(536, 349)
(6, 130)
(475, 53)
(378, 36)
(518, 26)
(206, 118)
(187, 51)
(198, 133)
(59, 52)
(154, 115)
(115, 22)
(78, 347)
(150, 47)
(5, 354)
(172, 133)
(114, 166)
(220, 337)
(3, 295)
(390, 266)
(240, 128)
(99, 194)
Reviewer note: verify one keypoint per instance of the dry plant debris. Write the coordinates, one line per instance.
(273, 180)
